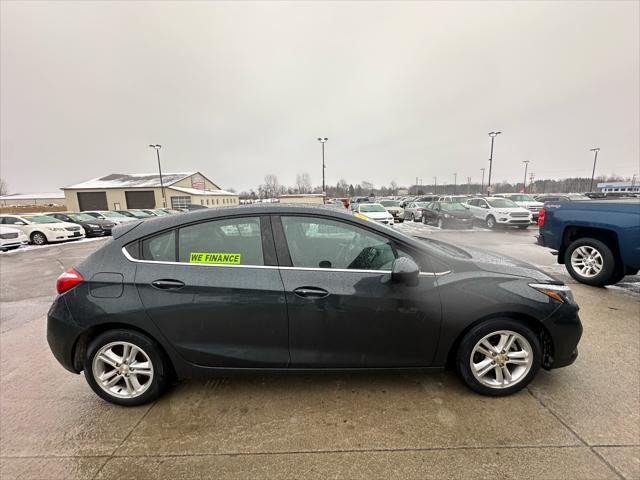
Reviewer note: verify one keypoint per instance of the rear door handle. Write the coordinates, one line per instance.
(168, 284)
(311, 292)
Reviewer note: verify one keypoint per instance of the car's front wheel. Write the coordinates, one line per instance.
(38, 238)
(590, 261)
(499, 357)
(125, 367)
(440, 223)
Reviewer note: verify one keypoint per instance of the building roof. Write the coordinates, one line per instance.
(131, 180)
(32, 196)
(301, 195)
(196, 191)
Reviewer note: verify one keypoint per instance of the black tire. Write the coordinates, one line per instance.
(607, 274)
(413, 217)
(153, 351)
(38, 238)
(491, 222)
(473, 336)
(440, 223)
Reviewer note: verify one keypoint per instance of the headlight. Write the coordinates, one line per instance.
(446, 215)
(560, 293)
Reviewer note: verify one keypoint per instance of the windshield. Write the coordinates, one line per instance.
(41, 219)
(111, 214)
(160, 213)
(80, 217)
(422, 204)
(372, 208)
(390, 203)
(452, 206)
(140, 213)
(500, 203)
(521, 198)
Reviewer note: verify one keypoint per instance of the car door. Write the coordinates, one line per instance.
(17, 223)
(344, 310)
(214, 290)
(430, 212)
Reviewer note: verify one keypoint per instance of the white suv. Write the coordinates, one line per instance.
(499, 211)
(525, 201)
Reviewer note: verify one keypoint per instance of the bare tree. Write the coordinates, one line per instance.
(303, 183)
(342, 187)
(3, 187)
(271, 187)
(393, 187)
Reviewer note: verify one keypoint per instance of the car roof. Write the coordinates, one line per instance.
(140, 228)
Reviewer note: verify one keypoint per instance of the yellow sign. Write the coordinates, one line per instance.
(215, 257)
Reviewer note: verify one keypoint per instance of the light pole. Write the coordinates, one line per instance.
(157, 149)
(593, 172)
(455, 182)
(493, 135)
(482, 184)
(524, 184)
(323, 140)
(435, 185)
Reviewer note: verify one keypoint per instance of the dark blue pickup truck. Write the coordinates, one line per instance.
(597, 241)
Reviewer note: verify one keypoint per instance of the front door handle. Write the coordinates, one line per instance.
(311, 292)
(168, 284)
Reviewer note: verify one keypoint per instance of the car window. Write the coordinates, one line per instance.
(501, 203)
(324, 243)
(10, 220)
(235, 241)
(161, 248)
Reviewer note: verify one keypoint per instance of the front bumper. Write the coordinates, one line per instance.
(505, 220)
(389, 222)
(565, 329)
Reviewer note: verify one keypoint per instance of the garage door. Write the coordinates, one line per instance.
(92, 200)
(140, 199)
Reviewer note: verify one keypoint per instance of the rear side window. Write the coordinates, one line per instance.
(161, 248)
(236, 241)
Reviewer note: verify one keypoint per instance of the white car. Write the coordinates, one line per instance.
(525, 201)
(11, 238)
(110, 215)
(394, 208)
(375, 212)
(496, 211)
(41, 229)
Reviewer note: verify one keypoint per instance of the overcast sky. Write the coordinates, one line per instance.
(239, 90)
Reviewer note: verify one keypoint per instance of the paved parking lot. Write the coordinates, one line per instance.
(579, 422)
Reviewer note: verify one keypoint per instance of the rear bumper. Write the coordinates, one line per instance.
(62, 333)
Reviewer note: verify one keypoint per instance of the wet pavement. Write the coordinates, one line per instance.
(579, 422)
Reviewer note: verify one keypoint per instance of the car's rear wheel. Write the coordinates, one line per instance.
(491, 222)
(413, 217)
(38, 238)
(499, 357)
(590, 261)
(125, 367)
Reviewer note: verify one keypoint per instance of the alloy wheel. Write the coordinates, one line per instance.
(39, 238)
(123, 370)
(501, 359)
(587, 261)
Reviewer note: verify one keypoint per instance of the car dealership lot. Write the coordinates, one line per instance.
(578, 422)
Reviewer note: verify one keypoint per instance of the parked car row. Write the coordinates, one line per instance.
(51, 227)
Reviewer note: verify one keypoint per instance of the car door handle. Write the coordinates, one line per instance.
(168, 284)
(311, 292)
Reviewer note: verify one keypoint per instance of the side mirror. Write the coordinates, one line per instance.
(406, 271)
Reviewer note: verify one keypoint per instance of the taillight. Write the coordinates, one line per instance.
(541, 218)
(69, 279)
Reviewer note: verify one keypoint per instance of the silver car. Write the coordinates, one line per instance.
(413, 211)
